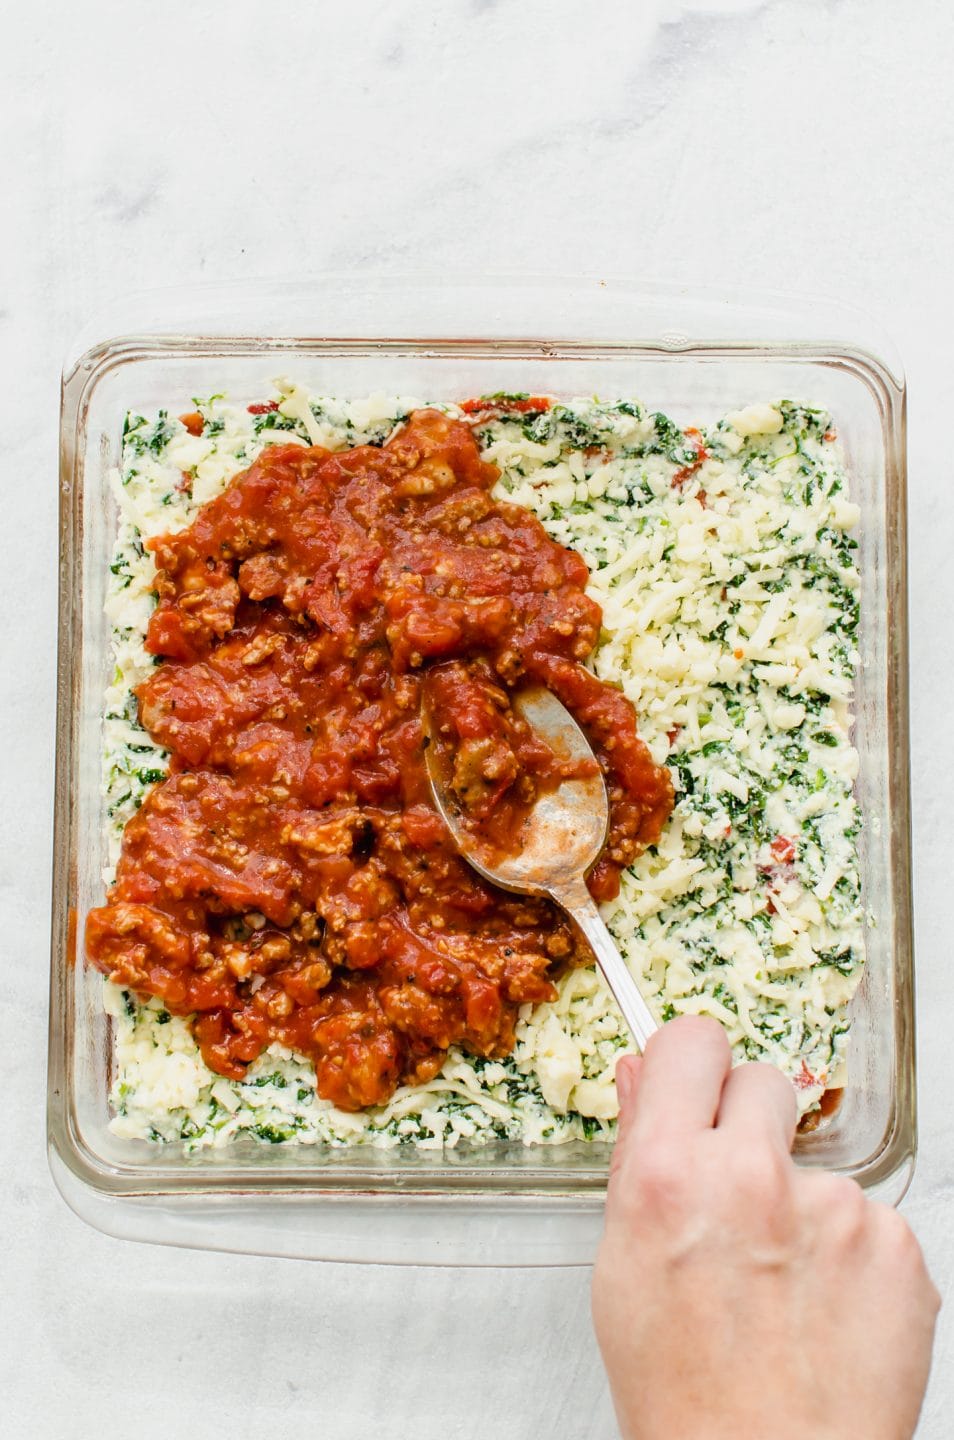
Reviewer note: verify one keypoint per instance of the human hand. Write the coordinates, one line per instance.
(735, 1294)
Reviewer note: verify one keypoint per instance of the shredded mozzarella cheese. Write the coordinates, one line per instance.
(728, 585)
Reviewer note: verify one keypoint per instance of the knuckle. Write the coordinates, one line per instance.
(762, 1174)
(839, 1205)
(660, 1178)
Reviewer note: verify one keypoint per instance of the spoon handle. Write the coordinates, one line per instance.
(577, 901)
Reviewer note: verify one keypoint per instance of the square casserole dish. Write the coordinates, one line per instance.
(694, 355)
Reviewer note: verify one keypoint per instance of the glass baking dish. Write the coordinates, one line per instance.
(690, 353)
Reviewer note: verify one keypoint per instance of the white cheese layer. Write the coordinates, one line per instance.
(725, 567)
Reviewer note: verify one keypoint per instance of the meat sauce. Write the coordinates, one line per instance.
(290, 880)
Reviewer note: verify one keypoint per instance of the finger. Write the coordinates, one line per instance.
(627, 1082)
(627, 1086)
(681, 1078)
(758, 1101)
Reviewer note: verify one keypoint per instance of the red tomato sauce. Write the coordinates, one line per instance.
(687, 471)
(291, 881)
(489, 404)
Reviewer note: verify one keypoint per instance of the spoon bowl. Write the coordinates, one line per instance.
(559, 839)
(562, 835)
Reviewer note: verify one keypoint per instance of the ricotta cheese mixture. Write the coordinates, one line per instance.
(724, 563)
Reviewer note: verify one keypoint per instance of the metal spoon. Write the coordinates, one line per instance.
(560, 839)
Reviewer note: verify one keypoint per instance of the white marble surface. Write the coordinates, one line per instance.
(804, 143)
